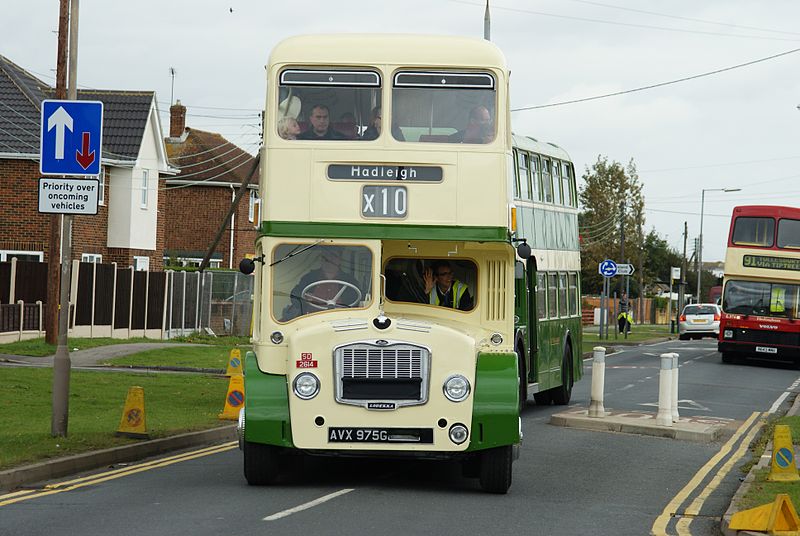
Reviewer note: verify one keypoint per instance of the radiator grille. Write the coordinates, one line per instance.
(393, 372)
(496, 289)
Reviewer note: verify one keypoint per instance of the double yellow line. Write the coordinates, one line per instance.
(682, 527)
(69, 485)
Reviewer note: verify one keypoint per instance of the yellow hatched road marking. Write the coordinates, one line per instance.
(682, 526)
(660, 525)
(69, 485)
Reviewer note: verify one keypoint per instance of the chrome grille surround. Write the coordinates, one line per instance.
(389, 360)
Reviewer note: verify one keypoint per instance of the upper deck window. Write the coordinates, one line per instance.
(444, 107)
(788, 233)
(329, 104)
(750, 231)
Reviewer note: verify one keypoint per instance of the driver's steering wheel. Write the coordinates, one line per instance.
(319, 303)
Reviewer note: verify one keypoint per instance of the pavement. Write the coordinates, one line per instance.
(691, 429)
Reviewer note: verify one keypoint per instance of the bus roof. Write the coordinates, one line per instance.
(773, 211)
(540, 147)
(397, 49)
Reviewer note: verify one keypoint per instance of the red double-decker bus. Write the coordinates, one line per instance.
(761, 289)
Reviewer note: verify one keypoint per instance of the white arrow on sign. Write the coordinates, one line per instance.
(59, 120)
(624, 269)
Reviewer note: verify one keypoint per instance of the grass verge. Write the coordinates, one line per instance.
(39, 348)
(639, 333)
(174, 403)
(762, 491)
(206, 357)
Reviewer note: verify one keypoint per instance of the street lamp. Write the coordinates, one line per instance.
(700, 242)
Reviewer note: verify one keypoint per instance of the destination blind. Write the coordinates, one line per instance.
(771, 263)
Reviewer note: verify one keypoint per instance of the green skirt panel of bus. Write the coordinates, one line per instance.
(266, 406)
(495, 413)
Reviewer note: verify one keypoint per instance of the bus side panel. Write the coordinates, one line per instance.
(266, 406)
(495, 409)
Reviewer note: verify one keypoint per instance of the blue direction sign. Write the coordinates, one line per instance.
(71, 137)
(608, 268)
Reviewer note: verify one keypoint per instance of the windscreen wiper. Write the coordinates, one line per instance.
(296, 251)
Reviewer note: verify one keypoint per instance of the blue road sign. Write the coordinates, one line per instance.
(784, 457)
(608, 268)
(71, 137)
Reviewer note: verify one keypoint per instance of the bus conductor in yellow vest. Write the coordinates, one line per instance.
(443, 289)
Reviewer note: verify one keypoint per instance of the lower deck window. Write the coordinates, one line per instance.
(448, 283)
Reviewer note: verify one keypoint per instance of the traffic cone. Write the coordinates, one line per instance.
(133, 422)
(784, 467)
(779, 515)
(234, 363)
(234, 400)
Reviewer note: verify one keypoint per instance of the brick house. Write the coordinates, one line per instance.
(197, 199)
(128, 228)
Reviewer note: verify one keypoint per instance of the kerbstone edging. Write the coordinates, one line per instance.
(765, 460)
(48, 470)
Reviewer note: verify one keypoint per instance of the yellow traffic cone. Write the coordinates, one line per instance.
(133, 423)
(234, 400)
(784, 466)
(779, 515)
(234, 363)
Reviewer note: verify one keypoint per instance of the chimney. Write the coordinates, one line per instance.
(177, 119)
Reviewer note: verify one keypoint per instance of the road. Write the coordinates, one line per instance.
(567, 481)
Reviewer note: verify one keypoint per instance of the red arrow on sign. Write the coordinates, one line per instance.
(84, 157)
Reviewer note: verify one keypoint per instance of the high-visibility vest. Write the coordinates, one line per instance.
(777, 300)
(458, 290)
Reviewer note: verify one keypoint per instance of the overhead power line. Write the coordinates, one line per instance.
(660, 84)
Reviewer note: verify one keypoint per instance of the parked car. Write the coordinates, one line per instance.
(699, 320)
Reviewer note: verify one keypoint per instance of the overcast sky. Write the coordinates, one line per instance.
(735, 129)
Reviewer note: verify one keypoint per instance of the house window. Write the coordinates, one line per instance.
(252, 209)
(101, 194)
(145, 174)
(7, 255)
(92, 257)
(141, 264)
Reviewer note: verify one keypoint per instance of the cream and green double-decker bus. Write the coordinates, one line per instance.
(396, 300)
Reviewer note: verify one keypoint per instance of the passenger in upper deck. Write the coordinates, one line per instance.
(320, 125)
(479, 129)
(443, 289)
(288, 128)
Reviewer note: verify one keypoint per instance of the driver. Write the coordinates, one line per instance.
(327, 287)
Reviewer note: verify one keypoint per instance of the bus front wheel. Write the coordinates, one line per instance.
(495, 476)
(261, 463)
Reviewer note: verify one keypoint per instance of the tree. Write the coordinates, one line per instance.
(611, 200)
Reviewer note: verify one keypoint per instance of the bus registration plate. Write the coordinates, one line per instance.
(384, 201)
(347, 434)
(766, 350)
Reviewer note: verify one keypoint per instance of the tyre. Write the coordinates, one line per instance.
(261, 463)
(683, 337)
(495, 474)
(523, 379)
(727, 357)
(543, 398)
(563, 393)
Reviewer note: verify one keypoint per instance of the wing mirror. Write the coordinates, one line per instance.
(248, 266)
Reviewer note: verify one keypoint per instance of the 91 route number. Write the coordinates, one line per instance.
(384, 201)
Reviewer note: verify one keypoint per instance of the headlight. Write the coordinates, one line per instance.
(728, 334)
(458, 433)
(306, 386)
(496, 339)
(456, 388)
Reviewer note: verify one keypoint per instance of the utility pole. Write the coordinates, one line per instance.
(61, 361)
(53, 256)
(682, 286)
(641, 264)
(622, 240)
(487, 23)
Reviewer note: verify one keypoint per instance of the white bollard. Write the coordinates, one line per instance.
(596, 408)
(675, 365)
(664, 416)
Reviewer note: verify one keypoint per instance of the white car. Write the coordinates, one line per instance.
(699, 320)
